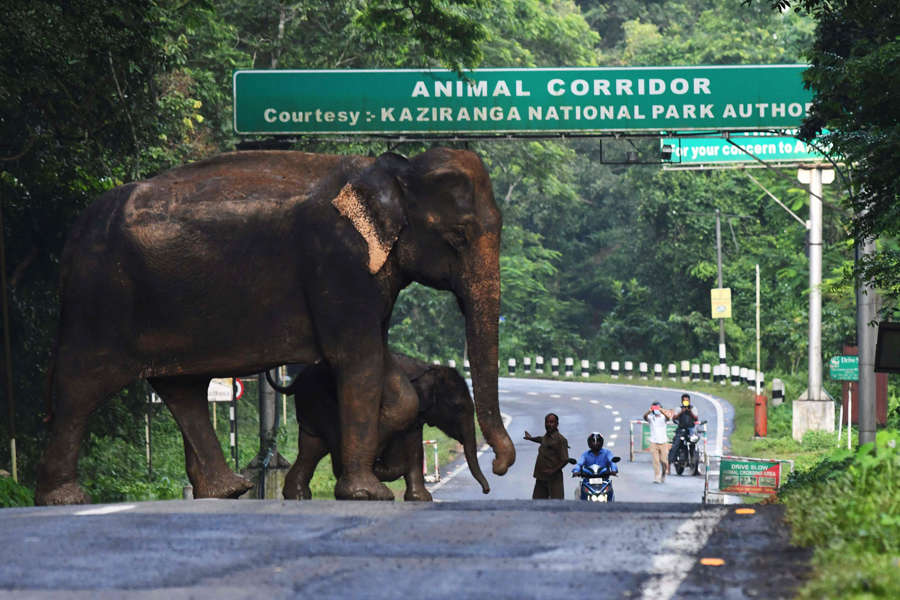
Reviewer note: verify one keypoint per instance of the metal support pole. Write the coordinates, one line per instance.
(232, 416)
(866, 313)
(7, 357)
(758, 390)
(815, 285)
(719, 265)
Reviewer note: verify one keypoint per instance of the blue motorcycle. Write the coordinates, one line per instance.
(596, 483)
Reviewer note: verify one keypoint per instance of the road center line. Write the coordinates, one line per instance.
(105, 510)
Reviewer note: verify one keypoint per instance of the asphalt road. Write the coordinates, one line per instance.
(584, 407)
(492, 548)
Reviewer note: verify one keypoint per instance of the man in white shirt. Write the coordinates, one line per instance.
(659, 441)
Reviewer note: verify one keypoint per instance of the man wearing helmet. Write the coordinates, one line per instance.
(683, 419)
(597, 455)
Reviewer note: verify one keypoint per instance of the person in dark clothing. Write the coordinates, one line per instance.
(686, 418)
(552, 456)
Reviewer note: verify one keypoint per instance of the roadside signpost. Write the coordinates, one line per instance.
(845, 368)
(740, 475)
(720, 300)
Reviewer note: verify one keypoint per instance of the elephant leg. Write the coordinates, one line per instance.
(367, 425)
(206, 467)
(312, 449)
(414, 476)
(79, 392)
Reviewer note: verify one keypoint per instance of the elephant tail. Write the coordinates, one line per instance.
(48, 384)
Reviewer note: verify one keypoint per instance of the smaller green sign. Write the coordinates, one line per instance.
(844, 368)
(745, 148)
(739, 475)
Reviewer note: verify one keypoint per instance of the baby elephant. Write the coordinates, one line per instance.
(444, 402)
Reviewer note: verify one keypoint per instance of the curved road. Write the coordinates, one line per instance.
(584, 407)
(492, 548)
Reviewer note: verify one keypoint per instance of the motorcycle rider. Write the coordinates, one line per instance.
(597, 455)
(684, 420)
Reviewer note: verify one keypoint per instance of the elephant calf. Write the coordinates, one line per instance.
(444, 402)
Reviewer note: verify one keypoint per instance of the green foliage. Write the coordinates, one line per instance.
(14, 494)
(855, 44)
(845, 506)
(597, 259)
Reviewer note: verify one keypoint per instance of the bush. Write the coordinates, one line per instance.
(819, 440)
(13, 494)
(845, 506)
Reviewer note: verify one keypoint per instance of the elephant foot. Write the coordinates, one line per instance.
(421, 495)
(361, 487)
(228, 485)
(67, 493)
(296, 492)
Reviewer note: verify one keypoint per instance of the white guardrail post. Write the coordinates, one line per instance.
(436, 476)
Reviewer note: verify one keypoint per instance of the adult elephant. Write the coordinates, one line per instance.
(184, 277)
(443, 402)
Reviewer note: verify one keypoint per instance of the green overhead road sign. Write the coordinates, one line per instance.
(844, 368)
(510, 101)
(757, 146)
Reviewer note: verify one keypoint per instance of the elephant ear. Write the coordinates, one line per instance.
(372, 202)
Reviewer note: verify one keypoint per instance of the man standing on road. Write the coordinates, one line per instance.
(659, 441)
(552, 456)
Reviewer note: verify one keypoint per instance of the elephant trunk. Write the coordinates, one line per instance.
(471, 453)
(481, 305)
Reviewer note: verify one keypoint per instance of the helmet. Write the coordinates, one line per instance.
(595, 437)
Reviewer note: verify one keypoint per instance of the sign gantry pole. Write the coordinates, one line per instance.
(814, 382)
(815, 411)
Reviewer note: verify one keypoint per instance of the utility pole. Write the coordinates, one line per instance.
(7, 358)
(719, 265)
(866, 312)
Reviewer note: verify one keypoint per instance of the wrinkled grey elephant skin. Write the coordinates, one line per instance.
(249, 260)
(444, 402)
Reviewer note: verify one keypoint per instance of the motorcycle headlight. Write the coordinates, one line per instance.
(695, 438)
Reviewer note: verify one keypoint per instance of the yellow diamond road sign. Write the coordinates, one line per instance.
(721, 303)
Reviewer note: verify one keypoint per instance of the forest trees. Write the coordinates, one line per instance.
(856, 44)
(597, 259)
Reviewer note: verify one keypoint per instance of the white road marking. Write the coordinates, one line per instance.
(576, 397)
(615, 412)
(105, 510)
(610, 444)
(594, 402)
(532, 393)
(671, 566)
(618, 419)
(617, 427)
(555, 396)
(609, 406)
